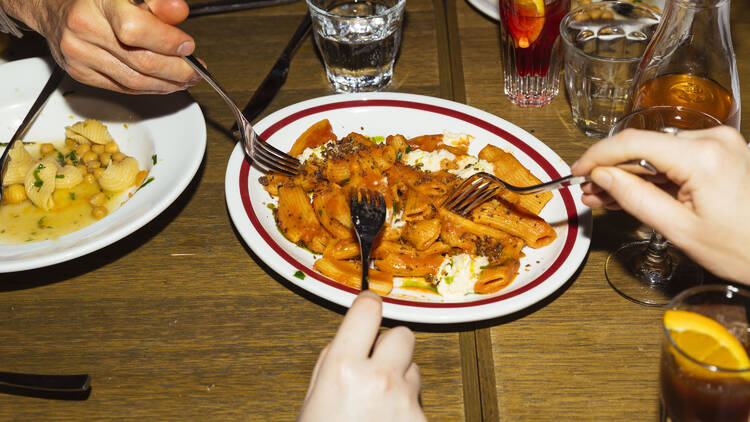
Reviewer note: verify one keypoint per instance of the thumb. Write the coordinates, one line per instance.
(643, 200)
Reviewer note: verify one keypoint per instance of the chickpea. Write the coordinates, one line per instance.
(581, 16)
(105, 159)
(82, 149)
(111, 147)
(70, 143)
(90, 156)
(14, 194)
(89, 178)
(97, 148)
(93, 165)
(98, 199)
(99, 212)
(46, 149)
(98, 172)
(608, 15)
(82, 168)
(118, 156)
(595, 13)
(140, 177)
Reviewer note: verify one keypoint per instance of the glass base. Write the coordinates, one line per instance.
(531, 100)
(633, 276)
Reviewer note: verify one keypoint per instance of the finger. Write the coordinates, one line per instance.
(644, 200)
(600, 201)
(630, 144)
(316, 369)
(169, 11)
(93, 66)
(395, 349)
(138, 28)
(360, 326)
(725, 134)
(413, 378)
(591, 188)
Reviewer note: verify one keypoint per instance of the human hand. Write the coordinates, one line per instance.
(707, 214)
(115, 44)
(354, 381)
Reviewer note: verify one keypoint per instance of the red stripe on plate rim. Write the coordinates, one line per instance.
(527, 149)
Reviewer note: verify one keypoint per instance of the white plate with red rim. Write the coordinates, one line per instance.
(542, 271)
(165, 133)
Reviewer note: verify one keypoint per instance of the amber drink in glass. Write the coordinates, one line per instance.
(531, 64)
(700, 382)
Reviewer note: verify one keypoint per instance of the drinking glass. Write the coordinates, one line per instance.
(691, 387)
(358, 40)
(602, 46)
(531, 64)
(651, 272)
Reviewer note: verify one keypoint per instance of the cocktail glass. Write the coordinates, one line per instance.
(704, 371)
(651, 272)
(531, 64)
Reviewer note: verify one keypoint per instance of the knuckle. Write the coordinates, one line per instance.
(128, 32)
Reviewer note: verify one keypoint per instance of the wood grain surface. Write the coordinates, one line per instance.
(586, 353)
(180, 321)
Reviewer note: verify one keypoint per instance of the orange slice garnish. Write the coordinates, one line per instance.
(528, 22)
(705, 340)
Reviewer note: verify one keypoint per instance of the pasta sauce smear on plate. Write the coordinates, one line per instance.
(52, 189)
(423, 249)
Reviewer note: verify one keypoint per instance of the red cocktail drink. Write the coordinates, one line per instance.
(531, 65)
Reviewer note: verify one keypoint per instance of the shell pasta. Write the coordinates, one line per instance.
(54, 189)
(423, 247)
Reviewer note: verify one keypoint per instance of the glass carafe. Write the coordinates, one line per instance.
(690, 62)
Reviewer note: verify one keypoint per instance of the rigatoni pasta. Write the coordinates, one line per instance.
(423, 245)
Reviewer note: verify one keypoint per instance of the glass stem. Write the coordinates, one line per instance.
(655, 265)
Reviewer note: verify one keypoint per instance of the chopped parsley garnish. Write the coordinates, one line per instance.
(448, 280)
(40, 223)
(408, 149)
(153, 159)
(3, 144)
(377, 139)
(72, 157)
(60, 158)
(343, 182)
(300, 275)
(399, 154)
(38, 182)
(149, 180)
(59, 176)
(72, 196)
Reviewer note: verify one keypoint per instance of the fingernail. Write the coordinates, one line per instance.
(573, 166)
(602, 178)
(185, 48)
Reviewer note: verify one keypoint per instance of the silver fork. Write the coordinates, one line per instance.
(368, 215)
(263, 155)
(480, 187)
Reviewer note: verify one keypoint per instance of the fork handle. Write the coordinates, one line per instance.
(56, 383)
(639, 167)
(365, 252)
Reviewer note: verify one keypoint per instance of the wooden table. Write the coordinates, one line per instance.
(180, 321)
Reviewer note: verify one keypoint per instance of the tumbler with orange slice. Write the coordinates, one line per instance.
(705, 369)
(531, 62)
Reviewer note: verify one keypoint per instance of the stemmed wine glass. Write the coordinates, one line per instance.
(651, 272)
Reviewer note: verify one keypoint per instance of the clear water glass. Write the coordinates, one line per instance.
(358, 40)
(602, 46)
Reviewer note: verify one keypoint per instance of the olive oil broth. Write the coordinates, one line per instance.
(23, 222)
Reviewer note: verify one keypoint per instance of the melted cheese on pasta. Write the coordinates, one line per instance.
(458, 273)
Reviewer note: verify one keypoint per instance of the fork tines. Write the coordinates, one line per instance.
(473, 192)
(270, 159)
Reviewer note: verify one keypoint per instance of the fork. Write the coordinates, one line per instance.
(264, 155)
(480, 187)
(368, 215)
